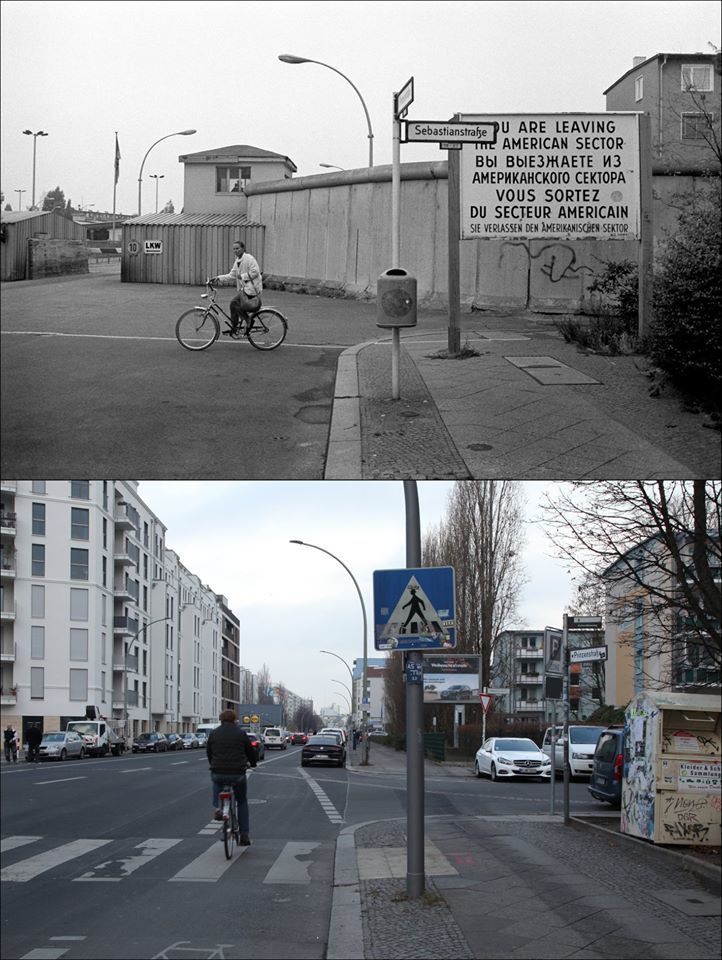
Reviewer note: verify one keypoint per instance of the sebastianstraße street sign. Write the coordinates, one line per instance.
(435, 131)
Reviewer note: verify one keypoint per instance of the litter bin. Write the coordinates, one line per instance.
(396, 299)
(671, 784)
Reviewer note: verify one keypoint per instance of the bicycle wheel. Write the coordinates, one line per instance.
(197, 329)
(269, 329)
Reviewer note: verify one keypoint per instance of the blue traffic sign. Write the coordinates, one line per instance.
(415, 609)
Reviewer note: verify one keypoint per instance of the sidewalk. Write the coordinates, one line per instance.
(528, 405)
(515, 886)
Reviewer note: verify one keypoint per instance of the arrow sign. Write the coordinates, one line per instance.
(486, 699)
(586, 654)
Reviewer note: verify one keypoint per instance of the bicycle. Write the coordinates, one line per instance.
(199, 328)
(229, 817)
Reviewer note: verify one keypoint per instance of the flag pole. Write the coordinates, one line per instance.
(115, 178)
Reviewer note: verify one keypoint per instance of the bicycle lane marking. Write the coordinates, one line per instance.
(331, 812)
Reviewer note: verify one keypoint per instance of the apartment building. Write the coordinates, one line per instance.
(96, 610)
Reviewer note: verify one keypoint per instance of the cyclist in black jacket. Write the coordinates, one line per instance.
(230, 753)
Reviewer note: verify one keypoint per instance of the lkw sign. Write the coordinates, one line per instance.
(562, 176)
(152, 246)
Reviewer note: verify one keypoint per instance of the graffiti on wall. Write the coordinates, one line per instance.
(559, 261)
(690, 819)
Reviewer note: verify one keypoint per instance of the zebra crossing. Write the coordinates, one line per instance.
(281, 862)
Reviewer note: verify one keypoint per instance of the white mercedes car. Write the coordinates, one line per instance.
(503, 757)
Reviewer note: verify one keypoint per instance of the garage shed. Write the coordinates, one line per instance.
(18, 228)
(185, 248)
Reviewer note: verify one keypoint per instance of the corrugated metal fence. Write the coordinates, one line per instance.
(185, 248)
(19, 227)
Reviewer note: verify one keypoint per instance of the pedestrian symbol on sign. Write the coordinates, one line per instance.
(414, 609)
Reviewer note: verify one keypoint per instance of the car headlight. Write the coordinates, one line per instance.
(51, 748)
(580, 756)
(505, 760)
(546, 762)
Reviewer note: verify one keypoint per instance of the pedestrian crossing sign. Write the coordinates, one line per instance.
(414, 609)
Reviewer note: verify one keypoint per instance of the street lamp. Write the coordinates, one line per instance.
(125, 664)
(179, 133)
(29, 133)
(289, 58)
(156, 177)
(364, 724)
(20, 198)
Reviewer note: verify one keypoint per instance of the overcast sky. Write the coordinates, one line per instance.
(82, 70)
(294, 601)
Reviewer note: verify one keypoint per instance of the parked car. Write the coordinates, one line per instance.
(505, 757)
(323, 749)
(582, 743)
(257, 743)
(174, 741)
(150, 742)
(202, 737)
(274, 737)
(457, 691)
(190, 741)
(298, 737)
(608, 767)
(61, 744)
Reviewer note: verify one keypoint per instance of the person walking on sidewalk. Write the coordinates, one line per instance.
(10, 739)
(246, 274)
(33, 739)
(230, 753)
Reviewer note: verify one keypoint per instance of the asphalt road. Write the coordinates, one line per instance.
(94, 383)
(119, 858)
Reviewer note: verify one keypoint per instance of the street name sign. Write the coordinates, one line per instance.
(403, 99)
(415, 609)
(586, 654)
(447, 131)
(584, 623)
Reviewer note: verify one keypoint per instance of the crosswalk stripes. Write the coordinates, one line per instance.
(291, 865)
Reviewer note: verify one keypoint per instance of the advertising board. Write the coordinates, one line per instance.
(451, 678)
(563, 176)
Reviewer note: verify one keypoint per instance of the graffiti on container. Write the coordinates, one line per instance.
(560, 260)
(638, 811)
(689, 741)
(691, 832)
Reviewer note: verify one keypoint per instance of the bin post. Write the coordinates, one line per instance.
(395, 308)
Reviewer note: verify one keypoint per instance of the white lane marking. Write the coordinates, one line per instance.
(287, 868)
(10, 843)
(41, 783)
(45, 953)
(135, 770)
(116, 870)
(209, 866)
(331, 812)
(225, 342)
(179, 763)
(28, 869)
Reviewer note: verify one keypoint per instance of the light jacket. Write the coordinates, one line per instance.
(244, 268)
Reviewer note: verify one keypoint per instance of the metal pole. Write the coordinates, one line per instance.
(396, 245)
(565, 667)
(35, 142)
(414, 721)
(553, 756)
(454, 221)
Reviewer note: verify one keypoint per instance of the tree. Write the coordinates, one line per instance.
(265, 688)
(54, 199)
(655, 543)
(168, 208)
(589, 601)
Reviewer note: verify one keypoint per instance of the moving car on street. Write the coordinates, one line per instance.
(502, 758)
(323, 749)
(274, 737)
(298, 737)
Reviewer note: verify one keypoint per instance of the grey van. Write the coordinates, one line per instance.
(608, 767)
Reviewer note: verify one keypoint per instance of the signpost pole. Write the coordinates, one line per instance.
(414, 721)
(645, 256)
(396, 244)
(565, 668)
(454, 220)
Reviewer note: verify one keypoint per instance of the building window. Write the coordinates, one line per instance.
(79, 685)
(79, 523)
(78, 644)
(78, 604)
(80, 489)
(697, 76)
(638, 88)
(105, 534)
(38, 486)
(696, 126)
(105, 494)
(38, 519)
(37, 601)
(102, 686)
(78, 564)
(37, 643)
(37, 683)
(231, 179)
(38, 560)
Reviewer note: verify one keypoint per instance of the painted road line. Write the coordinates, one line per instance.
(208, 867)
(29, 869)
(11, 843)
(112, 871)
(41, 783)
(331, 812)
(287, 868)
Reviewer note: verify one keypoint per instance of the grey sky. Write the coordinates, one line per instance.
(294, 601)
(82, 70)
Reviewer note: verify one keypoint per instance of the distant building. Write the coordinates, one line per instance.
(214, 180)
(375, 676)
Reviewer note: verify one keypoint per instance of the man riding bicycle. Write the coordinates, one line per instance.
(247, 276)
(230, 753)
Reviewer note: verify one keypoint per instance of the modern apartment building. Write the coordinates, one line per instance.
(96, 610)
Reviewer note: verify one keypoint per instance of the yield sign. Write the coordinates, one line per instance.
(486, 699)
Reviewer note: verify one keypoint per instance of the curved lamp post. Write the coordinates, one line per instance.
(29, 133)
(289, 58)
(179, 133)
(364, 724)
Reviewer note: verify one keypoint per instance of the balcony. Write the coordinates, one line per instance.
(528, 706)
(529, 678)
(120, 665)
(7, 652)
(527, 653)
(124, 517)
(8, 697)
(125, 627)
(8, 616)
(124, 594)
(8, 486)
(8, 523)
(7, 569)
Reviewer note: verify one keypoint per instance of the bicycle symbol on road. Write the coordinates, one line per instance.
(211, 953)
